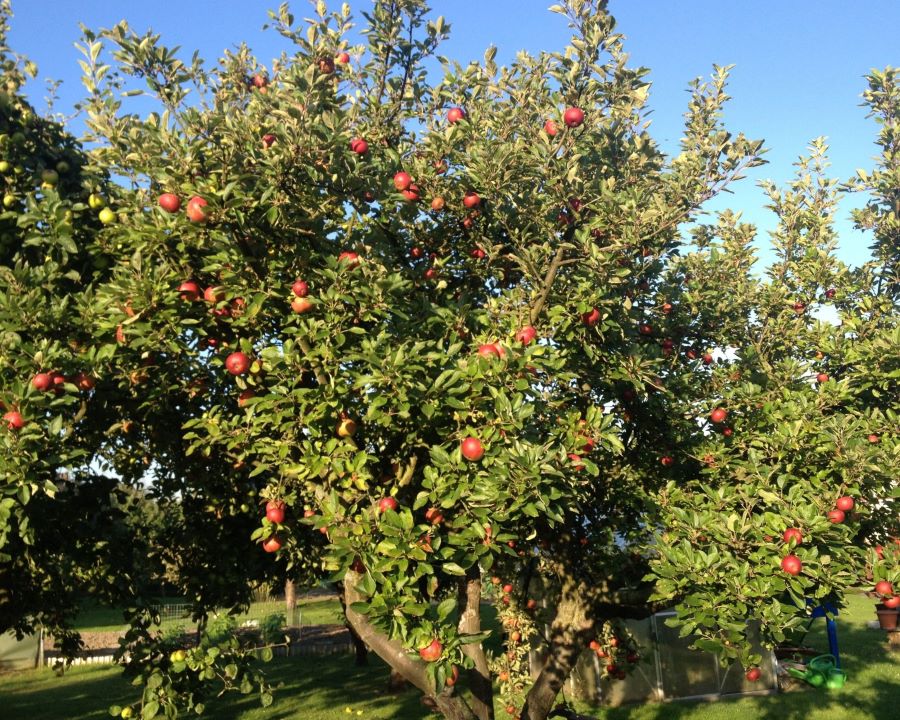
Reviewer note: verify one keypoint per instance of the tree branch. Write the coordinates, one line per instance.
(470, 623)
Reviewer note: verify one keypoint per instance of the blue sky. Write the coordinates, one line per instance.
(799, 63)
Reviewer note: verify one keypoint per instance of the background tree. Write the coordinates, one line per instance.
(440, 333)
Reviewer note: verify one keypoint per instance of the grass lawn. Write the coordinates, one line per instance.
(320, 688)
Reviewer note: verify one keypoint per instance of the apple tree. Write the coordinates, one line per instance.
(438, 340)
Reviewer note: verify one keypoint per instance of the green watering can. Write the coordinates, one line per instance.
(821, 671)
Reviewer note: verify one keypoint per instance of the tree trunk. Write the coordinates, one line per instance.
(570, 630)
(359, 646)
(482, 701)
(290, 601)
(450, 705)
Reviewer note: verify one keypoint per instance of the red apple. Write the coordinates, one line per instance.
(707, 359)
(411, 193)
(349, 257)
(169, 202)
(718, 415)
(14, 420)
(791, 564)
(526, 335)
(822, 378)
(58, 381)
(829, 293)
(402, 181)
(42, 382)
(727, 432)
(196, 209)
(874, 439)
(259, 81)
(434, 516)
(237, 363)
(844, 503)
(551, 128)
(471, 199)
(245, 396)
(301, 305)
(453, 677)
(275, 511)
(432, 652)
(836, 516)
(478, 254)
(883, 587)
(84, 382)
(667, 461)
(387, 503)
(472, 449)
(454, 115)
(892, 602)
(793, 534)
(273, 544)
(342, 58)
(591, 318)
(799, 307)
(490, 351)
(753, 674)
(359, 146)
(667, 308)
(437, 204)
(213, 295)
(189, 291)
(300, 288)
(573, 117)
(645, 329)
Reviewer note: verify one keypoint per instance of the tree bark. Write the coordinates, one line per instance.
(482, 702)
(570, 630)
(290, 600)
(394, 654)
(359, 646)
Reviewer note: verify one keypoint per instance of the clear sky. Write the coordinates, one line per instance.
(799, 63)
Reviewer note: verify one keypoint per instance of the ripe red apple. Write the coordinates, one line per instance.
(892, 602)
(275, 511)
(14, 420)
(170, 202)
(268, 140)
(836, 516)
(434, 516)
(472, 449)
(531, 604)
(471, 199)
(478, 254)
(84, 382)
(387, 503)
(526, 335)
(844, 503)
(508, 588)
(245, 396)
(793, 534)
(822, 378)
(799, 307)
(453, 677)
(591, 318)
(411, 193)
(718, 415)
(272, 544)
(490, 351)
(666, 461)
(551, 128)
(874, 439)
(791, 564)
(189, 291)
(576, 461)
(707, 359)
(259, 81)
(454, 115)
(300, 288)
(753, 674)
(196, 209)
(573, 117)
(213, 295)
(667, 308)
(301, 305)
(829, 293)
(883, 587)
(58, 381)
(42, 382)
(432, 651)
(727, 432)
(350, 258)
(645, 329)
(342, 58)
(402, 181)
(359, 146)
(237, 363)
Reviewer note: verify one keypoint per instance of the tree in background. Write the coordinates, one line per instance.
(415, 336)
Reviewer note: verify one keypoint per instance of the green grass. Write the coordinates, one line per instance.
(320, 688)
(313, 611)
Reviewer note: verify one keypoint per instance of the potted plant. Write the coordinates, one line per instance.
(887, 617)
